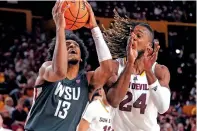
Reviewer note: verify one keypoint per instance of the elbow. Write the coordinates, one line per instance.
(163, 109)
(107, 66)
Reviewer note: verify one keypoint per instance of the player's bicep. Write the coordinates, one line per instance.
(100, 76)
(50, 75)
(83, 125)
(163, 75)
(46, 73)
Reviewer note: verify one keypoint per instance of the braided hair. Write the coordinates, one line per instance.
(117, 36)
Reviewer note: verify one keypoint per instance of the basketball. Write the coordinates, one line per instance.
(77, 15)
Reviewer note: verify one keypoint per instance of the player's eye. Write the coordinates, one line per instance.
(76, 44)
(139, 36)
(67, 43)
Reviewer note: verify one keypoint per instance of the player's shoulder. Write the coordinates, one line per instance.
(95, 102)
(161, 68)
(94, 105)
(162, 71)
(46, 63)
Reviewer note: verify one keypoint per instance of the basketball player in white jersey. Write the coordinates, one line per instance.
(140, 89)
(97, 116)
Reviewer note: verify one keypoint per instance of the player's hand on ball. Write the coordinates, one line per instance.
(132, 52)
(151, 57)
(58, 14)
(92, 21)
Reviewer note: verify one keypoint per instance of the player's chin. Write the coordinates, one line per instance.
(73, 61)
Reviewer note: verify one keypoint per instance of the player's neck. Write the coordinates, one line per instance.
(72, 71)
(139, 66)
(105, 102)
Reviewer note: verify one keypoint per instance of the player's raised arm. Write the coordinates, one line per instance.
(158, 81)
(100, 76)
(117, 89)
(57, 68)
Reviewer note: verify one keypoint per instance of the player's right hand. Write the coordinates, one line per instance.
(58, 14)
(131, 51)
(151, 57)
(92, 21)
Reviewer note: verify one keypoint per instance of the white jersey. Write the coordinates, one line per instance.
(136, 112)
(99, 116)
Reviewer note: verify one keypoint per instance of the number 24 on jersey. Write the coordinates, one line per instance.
(139, 103)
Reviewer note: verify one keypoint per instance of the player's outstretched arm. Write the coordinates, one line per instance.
(116, 90)
(57, 68)
(158, 81)
(100, 76)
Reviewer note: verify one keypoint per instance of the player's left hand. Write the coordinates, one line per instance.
(58, 14)
(151, 57)
(92, 21)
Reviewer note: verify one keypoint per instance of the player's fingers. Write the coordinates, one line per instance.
(55, 7)
(88, 6)
(58, 6)
(156, 44)
(157, 49)
(59, 10)
(65, 8)
(146, 53)
(154, 57)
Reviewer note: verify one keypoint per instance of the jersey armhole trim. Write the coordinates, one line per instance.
(42, 85)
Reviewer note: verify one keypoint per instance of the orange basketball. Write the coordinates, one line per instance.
(77, 15)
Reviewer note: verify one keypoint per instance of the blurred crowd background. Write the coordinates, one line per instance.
(23, 52)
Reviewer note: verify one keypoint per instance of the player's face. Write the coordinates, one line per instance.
(141, 37)
(74, 53)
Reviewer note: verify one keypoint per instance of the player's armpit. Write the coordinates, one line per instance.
(46, 73)
(83, 125)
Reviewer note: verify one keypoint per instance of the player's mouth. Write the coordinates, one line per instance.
(72, 51)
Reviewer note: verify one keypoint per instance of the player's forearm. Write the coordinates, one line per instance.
(60, 59)
(159, 94)
(83, 125)
(151, 78)
(103, 53)
(119, 89)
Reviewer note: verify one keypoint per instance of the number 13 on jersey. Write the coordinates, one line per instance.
(62, 109)
(139, 103)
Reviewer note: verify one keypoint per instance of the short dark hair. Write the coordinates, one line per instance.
(117, 36)
(147, 26)
(70, 36)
